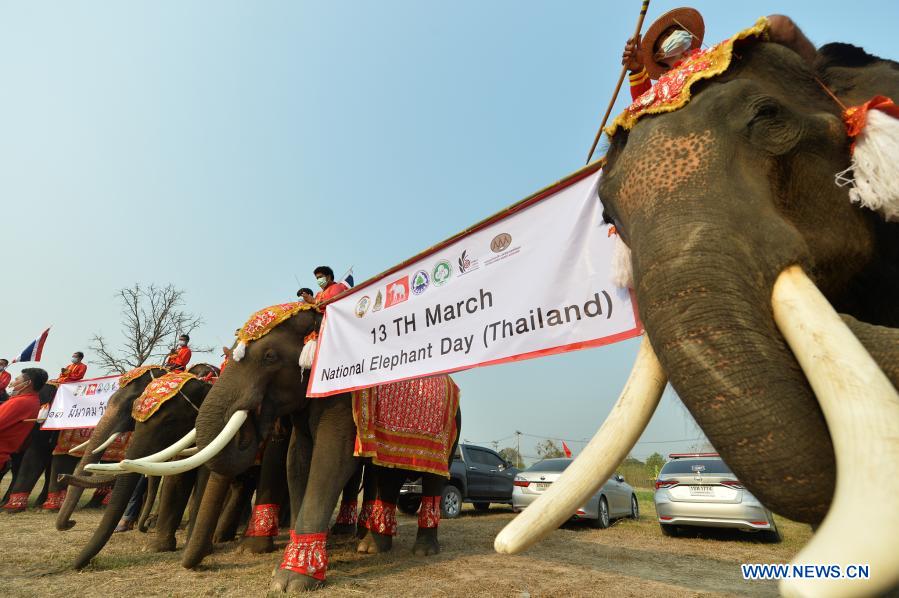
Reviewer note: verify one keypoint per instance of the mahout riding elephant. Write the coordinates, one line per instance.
(264, 383)
(116, 419)
(47, 454)
(163, 414)
(724, 190)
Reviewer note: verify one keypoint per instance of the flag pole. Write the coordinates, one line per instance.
(602, 125)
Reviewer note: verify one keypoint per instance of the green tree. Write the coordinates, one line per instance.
(548, 449)
(654, 463)
(511, 455)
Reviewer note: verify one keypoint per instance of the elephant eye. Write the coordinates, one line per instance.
(270, 356)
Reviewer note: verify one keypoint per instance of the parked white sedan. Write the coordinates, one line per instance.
(614, 499)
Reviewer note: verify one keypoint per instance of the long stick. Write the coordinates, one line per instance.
(643, 10)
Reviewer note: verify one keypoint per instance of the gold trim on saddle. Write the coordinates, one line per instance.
(158, 392)
(672, 91)
(126, 379)
(264, 321)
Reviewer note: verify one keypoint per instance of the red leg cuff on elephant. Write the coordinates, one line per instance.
(307, 554)
(264, 521)
(429, 513)
(383, 518)
(17, 501)
(54, 501)
(365, 513)
(347, 513)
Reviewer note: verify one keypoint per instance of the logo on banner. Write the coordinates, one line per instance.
(362, 306)
(379, 300)
(441, 272)
(397, 291)
(467, 264)
(500, 242)
(420, 282)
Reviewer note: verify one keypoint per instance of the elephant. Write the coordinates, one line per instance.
(116, 419)
(157, 425)
(724, 203)
(263, 383)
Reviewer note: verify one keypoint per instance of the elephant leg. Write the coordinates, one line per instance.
(172, 502)
(45, 487)
(226, 529)
(345, 525)
(35, 460)
(306, 556)
(381, 521)
(152, 490)
(211, 497)
(426, 542)
(369, 495)
(263, 527)
(62, 465)
(299, 462)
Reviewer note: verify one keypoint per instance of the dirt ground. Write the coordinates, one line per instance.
(631, 558)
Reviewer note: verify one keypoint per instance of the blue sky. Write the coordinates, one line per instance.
(225, 147)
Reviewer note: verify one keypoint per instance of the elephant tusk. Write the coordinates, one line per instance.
(192, 462)
(861, 408)
(170, 451)
(597, 462)
(80, 447)
(189, 451)
(107, 468)
(99, 450)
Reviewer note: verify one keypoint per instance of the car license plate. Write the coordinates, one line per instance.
(541, 486)
(702, 491)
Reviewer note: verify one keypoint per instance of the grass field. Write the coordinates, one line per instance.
(631, 558)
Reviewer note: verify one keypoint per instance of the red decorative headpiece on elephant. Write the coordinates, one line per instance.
(158, 392)
(136, 373)
(264, 321)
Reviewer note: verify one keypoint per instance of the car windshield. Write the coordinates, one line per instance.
(690, 466)
(550, 465)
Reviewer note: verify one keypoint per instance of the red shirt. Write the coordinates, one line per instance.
(72, 373)
(5, 377)
(13, 430)
(178, 362)
(332, 290)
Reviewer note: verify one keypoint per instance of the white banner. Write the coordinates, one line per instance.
(80, 404)
(534, 282)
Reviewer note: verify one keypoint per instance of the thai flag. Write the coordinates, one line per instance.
(34, 349)
(348, 278)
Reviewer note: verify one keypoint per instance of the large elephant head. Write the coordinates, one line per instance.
(266, 382)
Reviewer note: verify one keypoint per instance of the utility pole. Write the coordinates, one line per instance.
(518, 446)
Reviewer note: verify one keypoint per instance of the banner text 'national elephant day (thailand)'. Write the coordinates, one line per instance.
(530, 282)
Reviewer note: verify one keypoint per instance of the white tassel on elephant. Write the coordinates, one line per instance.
(622, 267)
(307, 355)
(874, 171)
(240, 350)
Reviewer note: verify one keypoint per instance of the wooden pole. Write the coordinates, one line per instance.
(602, 125)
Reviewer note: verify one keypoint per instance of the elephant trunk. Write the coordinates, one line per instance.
(121, 493)
(152, 489)
(200, 542)
(705, 304)
(115, 419)
(221, 403)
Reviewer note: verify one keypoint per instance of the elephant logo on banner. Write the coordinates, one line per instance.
(397, 291)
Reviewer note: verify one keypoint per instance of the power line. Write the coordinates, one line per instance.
(575, 440)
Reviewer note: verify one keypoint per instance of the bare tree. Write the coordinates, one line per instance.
(548, 449)
(152, 320)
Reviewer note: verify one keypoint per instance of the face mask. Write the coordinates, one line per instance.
(75, 360)
(675, 44)
(182, 343)
(321, 281)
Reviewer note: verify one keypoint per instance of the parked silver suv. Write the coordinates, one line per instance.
(699, 489)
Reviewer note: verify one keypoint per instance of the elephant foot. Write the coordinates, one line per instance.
(226, 537)
(65, 525)
(343, 529)
(426, 542)
(285, 580)
(257, 544)
(164, 544)
(13, 510)
(374, 543)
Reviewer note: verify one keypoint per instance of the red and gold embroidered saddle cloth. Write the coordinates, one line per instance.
(69, 439)
(158, 392)
(409, 424)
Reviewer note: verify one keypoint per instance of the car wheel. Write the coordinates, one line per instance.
(771, 536)
(669, 530)
(602, 520)
(451, 503)
(410, 505)
(483, 507)
(635, 507)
